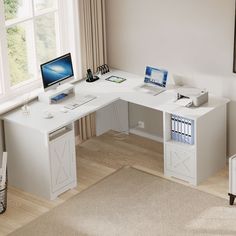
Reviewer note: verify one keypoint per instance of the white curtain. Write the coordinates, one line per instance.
(86, 128)
(93, 53)
(93, 34)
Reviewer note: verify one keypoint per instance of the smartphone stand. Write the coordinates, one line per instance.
(92, 79)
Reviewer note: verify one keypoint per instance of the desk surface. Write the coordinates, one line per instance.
(107, 92)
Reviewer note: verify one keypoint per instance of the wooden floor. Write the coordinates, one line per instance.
(96, 159)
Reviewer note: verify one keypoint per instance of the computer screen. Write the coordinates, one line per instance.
(156, 76)
(57, 71)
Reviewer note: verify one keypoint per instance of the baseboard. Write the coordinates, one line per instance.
(146, 135)
(133, 131)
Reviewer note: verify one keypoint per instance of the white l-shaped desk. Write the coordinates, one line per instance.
(42, 151)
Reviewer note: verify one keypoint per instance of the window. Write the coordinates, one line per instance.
(31, 33)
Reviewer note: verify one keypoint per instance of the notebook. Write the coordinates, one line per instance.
(154, 81)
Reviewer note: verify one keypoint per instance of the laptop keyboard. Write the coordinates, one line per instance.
(154, 90)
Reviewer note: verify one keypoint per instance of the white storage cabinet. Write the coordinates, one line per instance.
(40, 163)
(207, 155)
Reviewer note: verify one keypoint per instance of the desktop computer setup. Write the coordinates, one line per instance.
(55, 76)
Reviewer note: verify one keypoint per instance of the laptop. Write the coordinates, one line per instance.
(154, 81)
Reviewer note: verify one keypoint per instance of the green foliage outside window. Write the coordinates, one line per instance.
(11, 7)
(17, 54)
(45, 38)
(17, 45)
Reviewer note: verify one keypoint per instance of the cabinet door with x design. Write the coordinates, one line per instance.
(180, 162)
(62, 161)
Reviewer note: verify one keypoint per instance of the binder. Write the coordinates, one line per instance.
(172, 127)
(192, 132)
(185, 130)
(182, 129)
(189, 132)
(175, 128)
(179, 128)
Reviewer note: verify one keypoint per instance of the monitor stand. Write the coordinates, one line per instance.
(53, 95)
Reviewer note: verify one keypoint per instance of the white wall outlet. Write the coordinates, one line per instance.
(141, 124)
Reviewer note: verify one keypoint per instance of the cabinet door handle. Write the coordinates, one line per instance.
(58, 133)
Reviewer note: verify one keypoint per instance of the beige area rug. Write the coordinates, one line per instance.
(131, 202)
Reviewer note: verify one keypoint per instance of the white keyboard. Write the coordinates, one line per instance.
(80, 101)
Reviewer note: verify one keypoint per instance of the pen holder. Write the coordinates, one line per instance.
(25, 109)
(3, 197)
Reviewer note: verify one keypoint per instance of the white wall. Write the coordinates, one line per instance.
(153, 119)
(191, 38)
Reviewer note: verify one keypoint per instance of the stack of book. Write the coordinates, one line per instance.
(58, 97)
(182, 129)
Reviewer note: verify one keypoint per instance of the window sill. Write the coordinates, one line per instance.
(18, 101)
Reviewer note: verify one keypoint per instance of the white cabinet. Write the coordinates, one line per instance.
(195, 163)
(40, 163)
(180, 161)
(62, 160)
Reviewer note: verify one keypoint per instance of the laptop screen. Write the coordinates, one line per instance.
(156, 76)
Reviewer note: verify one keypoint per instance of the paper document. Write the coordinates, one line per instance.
(185, 102)
(3, 169)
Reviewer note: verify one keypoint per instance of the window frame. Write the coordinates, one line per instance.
(64, 18)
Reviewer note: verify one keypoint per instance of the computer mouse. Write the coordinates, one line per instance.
(47, 115)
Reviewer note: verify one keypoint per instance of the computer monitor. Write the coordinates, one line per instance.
(156, 76)
(57, 71)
